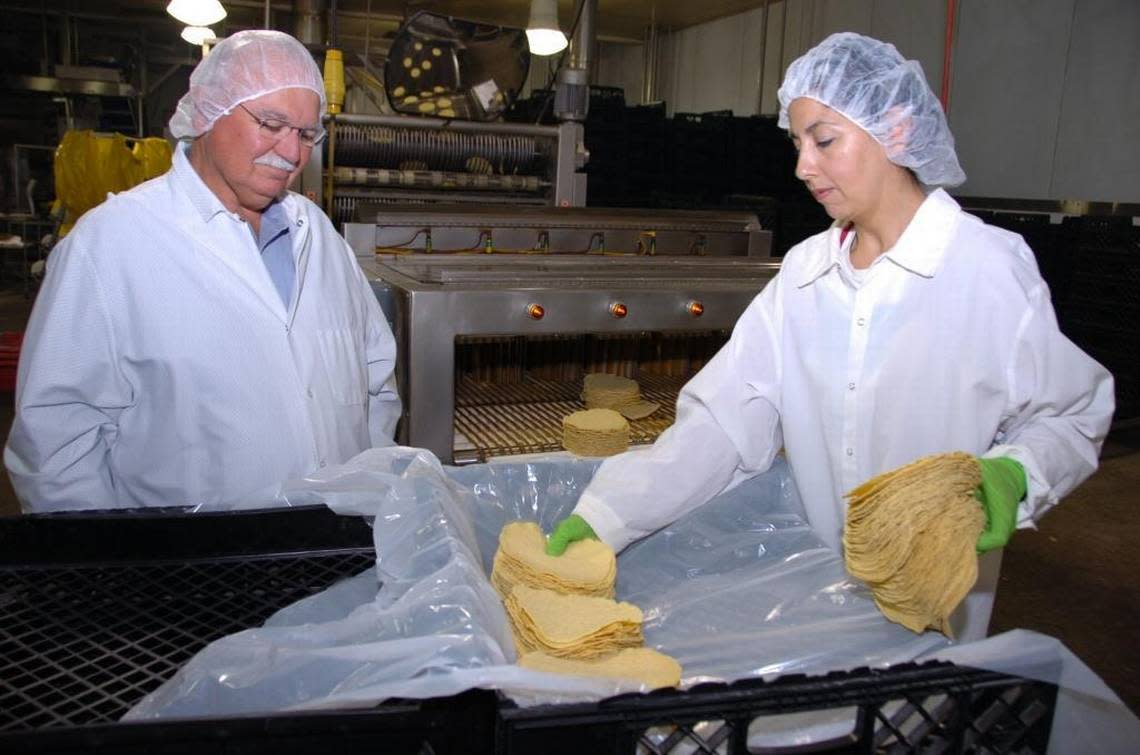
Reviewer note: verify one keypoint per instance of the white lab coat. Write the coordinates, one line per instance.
(160, 366)
(949, 343)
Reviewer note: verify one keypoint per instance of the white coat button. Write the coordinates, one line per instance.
(860, 321)
(322, 463)
(850, 451)
(850, 386)
(310, 392)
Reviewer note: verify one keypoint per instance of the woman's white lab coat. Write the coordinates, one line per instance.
(160, 366)
(948, 342)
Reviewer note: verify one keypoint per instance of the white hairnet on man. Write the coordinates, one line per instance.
(871, 84)
(240, 68)
(207, 335)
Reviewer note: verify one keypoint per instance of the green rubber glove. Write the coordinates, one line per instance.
(1003, 486)
(570, 530)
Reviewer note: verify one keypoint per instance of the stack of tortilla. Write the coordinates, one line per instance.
(601, 390)
(588, 567)
(911, 536)
(571, 626)
(563, 615)
(595, 432)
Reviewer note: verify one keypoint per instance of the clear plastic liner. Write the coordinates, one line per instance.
(740, 587)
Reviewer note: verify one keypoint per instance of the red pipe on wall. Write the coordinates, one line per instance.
(946, 57)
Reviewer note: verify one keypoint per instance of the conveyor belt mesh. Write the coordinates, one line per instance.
(526, 417)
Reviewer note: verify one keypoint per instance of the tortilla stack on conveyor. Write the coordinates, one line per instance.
(571, 626)
(588, 567)
(595, 432)
(646, 665)
(600, 390)
(911, 535)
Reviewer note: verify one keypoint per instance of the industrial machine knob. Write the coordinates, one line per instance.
(617, 309)
(536, 311)
(696, 309)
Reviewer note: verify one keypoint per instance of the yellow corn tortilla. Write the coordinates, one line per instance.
(910, 535)
(588, 567)
(645, 665)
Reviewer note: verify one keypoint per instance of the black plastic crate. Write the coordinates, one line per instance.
(459, 725)
(607, 106)
(1118, 314)
(1039, 233)
(649, 119)
(99, 610)
(1102, 232)
(935, 707)
(1116, 345)
(763, 157)
(799, 220)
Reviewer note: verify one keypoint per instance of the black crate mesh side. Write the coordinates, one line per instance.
(970, 713)
(82, 645)
(711, 737)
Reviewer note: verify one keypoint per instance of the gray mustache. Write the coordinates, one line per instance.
(274, 160)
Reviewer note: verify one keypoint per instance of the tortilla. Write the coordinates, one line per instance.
(645, 665)
(562, 613)
(639, 409)
(571, 626)
(601, 390)
(588, 567)
(595, 432)
(910, 535)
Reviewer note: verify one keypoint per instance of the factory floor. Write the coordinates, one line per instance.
(1077, 578)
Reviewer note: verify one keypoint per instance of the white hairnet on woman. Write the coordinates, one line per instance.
(886, 95)
(905, 329)
(240, 68)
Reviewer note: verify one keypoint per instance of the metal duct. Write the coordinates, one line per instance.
(572, 96)
(309, 22)
(649, 63)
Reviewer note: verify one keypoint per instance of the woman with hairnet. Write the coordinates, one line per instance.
(207, 334)
(908, 328)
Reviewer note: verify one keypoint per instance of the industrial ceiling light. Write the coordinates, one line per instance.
(196, 12)
(198, 35)
(542, 32)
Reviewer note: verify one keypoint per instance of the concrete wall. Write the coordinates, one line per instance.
(1045, 94)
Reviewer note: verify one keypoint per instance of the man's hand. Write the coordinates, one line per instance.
(1003, 486)
(571, 529)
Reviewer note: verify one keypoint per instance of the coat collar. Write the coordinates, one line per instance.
(204, 200)
(919, 250)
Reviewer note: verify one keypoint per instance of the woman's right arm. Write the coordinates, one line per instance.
(727, 429)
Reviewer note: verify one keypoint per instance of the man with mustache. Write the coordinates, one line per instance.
(206, 335)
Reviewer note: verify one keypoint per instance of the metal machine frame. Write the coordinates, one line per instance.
(434, 299)
(567, 150)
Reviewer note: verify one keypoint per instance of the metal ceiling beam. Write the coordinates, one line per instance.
(88, 16)
(153, 85)
(66, 86)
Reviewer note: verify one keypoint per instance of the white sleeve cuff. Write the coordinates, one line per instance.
(1038, 496)
(607, 525)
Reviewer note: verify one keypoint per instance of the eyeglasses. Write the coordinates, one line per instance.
(276, 130)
